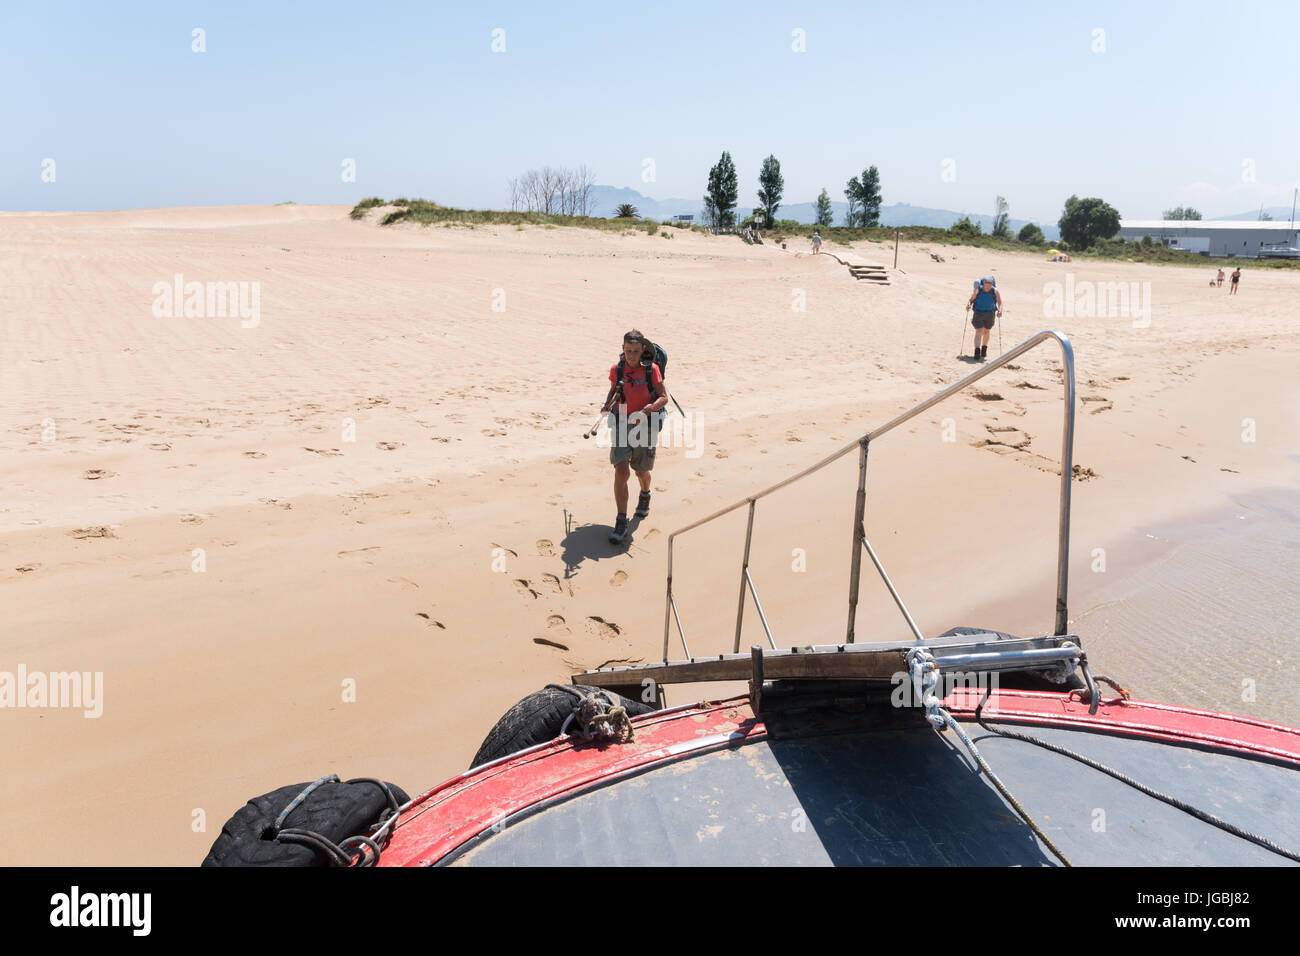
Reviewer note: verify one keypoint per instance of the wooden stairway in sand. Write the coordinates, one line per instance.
(864, 271)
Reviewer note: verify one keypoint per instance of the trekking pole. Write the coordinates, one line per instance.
(1000, 352)
(592, 430)
(963, 333)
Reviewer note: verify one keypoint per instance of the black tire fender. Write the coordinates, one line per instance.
(539, 717)
(334, 810)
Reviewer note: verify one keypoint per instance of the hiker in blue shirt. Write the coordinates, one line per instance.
(987, 302)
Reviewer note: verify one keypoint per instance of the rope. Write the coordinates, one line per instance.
(1143, 788)
(341, 853)
(597, 719)
(925, 678)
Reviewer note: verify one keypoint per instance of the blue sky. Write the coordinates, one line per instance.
(1184, 104)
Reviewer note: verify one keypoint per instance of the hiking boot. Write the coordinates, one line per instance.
(643, 504)
(620, 529)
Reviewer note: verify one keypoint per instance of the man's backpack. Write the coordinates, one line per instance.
(651, 354)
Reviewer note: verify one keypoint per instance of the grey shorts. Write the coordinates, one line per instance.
(983, 320)
(642, 459)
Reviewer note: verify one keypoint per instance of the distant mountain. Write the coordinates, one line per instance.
(1279, 214)
(609, 198)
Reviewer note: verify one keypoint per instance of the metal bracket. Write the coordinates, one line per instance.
(756, 679)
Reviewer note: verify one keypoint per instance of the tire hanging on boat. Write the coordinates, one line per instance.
(334, 810)
(540, 716)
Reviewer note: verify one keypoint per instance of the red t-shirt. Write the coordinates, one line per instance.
(636, 391)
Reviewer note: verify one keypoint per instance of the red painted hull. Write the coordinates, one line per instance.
(444, 818)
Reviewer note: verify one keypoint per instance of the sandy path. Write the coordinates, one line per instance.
(425, 558)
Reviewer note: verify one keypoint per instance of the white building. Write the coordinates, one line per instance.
(1245, 238)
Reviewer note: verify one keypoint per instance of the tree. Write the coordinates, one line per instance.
(1181, 212)
(565, 192)
(1031, 235)
(626, 211)
(964, 227)
(720, 200)
(824, 212)
(1084, 221)
(853, 193)
(771, 187)
(864, 198)
(870, 198)
(1002, 220)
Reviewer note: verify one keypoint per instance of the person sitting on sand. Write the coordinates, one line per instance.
(635, 398)
(1236, 277)
(1220, 277)
(816, 242)
(987, 301)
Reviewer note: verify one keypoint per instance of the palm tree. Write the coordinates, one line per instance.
(626, 211)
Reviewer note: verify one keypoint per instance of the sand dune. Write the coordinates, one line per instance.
(382, 481)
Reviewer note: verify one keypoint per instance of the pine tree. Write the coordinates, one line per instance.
(824, 212)
(720, 201)
(771, 187)
(869, 198)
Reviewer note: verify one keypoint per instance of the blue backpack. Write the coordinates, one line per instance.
(986, 301)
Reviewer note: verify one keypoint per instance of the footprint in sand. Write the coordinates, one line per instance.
(494, 432)
(98, 531)
(327, 452)
(546, 642)
(513, 554)
(988, 396)
(161, 446)
(555, 584)
(525, 588)
(254, 454)
(25, 568)
(389, 445)
(94, 474)
(599, 627)
(720, 453)
(556, 620)
(356, 551)
(405, 583)
(545, 548)
(618, 579)
(432, 622)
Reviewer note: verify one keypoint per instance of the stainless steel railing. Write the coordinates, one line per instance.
(860, 542)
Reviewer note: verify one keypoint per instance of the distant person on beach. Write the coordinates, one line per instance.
(817, 243)
(1236, 277)
(987, 303)
(1220, 277)
(636, 393)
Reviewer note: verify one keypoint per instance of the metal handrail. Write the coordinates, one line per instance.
(859, 537)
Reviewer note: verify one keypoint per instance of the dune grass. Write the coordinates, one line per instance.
(427, 213)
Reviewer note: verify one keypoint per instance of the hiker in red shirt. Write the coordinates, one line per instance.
(636, 394)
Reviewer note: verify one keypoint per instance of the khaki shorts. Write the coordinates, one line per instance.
(642, 459)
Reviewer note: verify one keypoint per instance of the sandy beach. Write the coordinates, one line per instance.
(345, 529)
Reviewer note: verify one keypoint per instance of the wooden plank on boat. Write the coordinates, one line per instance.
(852, 662)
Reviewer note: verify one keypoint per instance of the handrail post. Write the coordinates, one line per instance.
(1067, 478)
(859, 533)
(668, 599)
(744, 574)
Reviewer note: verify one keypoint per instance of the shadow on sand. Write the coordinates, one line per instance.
(591, 541)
